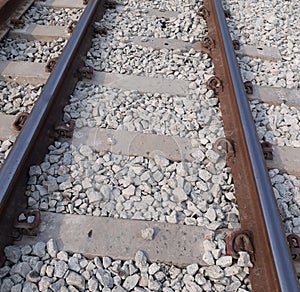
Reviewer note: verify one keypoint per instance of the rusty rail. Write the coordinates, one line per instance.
(38, 132)
(273, 269)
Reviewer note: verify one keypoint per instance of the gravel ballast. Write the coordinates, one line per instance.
(43, 267)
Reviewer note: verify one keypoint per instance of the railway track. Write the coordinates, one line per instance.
(121, 178)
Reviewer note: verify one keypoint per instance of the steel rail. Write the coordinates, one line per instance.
(273, 269)
(38, 132)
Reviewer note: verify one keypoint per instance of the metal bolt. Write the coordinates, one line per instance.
(294, 245)
(20, 121)
(204, 12)
(267, 150)
(208, 43)
(72, 26)
(236, 45)
(240, 240)
(214, 83)
(17, 23)
(51, 64)
(248, 87)
(224, 147)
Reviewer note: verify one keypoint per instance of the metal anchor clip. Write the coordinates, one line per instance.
(203, 12)
(294, 245)
(20, 121)
(267, 149)
(17, 23)
(224, 147)
(214, 83)
(65, 129)
(240, 240)
(207, 44)
(86, 72)
(51, 64)
(27, 222)
(71, 26)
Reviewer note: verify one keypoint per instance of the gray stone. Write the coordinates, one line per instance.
(208, 258)
(85, 150)
(244, 260)
(26, 249)
(86, 183)
(211, 214)
(52, 248)
(154, 285)
(65, 185)
(4, 271)
(62, 255)
(105, 279)
(93, 196)
(128, 192)
(200, 279)
(12, 253)
(158, 176)
(204, 175)
(33, 276)
(50, 271)
(147, 233)
(179, 195)
(193, 287)
(92, 284)
(39, 249)
(212, 156)
(131, 281)
(73, 264)
(44, 283)
(159, 276)
(60, 269)
(6, 285)
(42, 190)
(214, 272)
(56, 286)
(224, 261)
(120, 289)
(192, 269)
(161, 161)
(141, 261)
(106, 262)
(153, 268)
(17, 288)
(187, 278)
(21, 268)
(106, 192)
(98, 262)
(35, 170)
(144, 280)
(51, 185)
(76, 280)
(30, 287)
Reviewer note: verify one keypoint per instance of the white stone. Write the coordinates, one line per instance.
(179, 195)
(244, 260)
(129, 191)
(131, 281)
(148, 233)
(208, 258)
(224, 261)
(192, 269)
